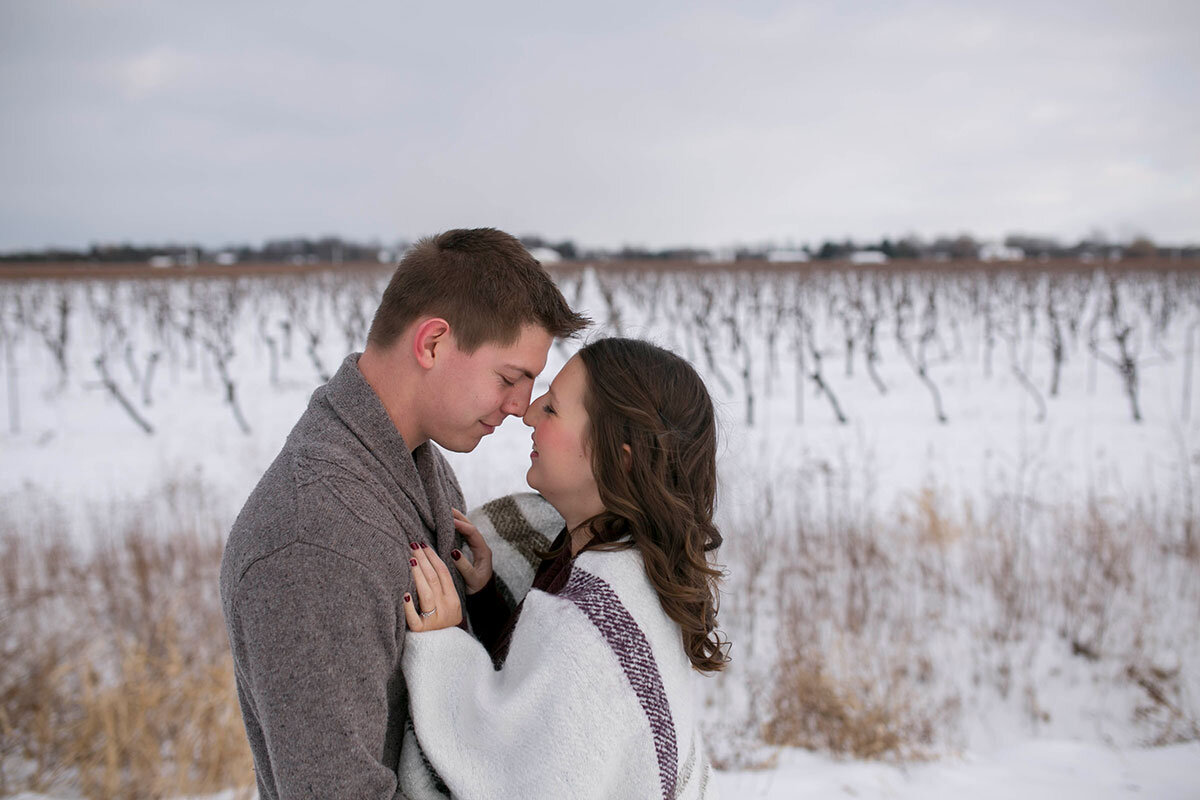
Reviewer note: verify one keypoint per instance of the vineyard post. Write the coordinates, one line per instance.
(1057, 352)
(222, 357)
(108, 383)
(10, 371)
(285, 327)
(773, 327)
(741, 346)
(989, 325)
(702, 328)
(1023, 378)
(870, 323)
(272, 348)
(148, 376)
(816, 377)
(135, 375)
(1093, 337)
(1189, 350)
(1126, 363)
(1031, 286)
(312, 333)
(798, 348)
(56, 335)
(314, 339)
(614, 312)
(903, 303)
(850, 302)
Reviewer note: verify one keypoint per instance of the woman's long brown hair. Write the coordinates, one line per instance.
(659, 494)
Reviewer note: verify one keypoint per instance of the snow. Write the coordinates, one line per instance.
(1034, 717)
(1032, 770)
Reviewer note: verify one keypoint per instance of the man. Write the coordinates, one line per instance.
(317, 563)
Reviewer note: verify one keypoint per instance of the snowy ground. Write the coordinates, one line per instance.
(1031, 715)
(1032, 770)
(1042, 770)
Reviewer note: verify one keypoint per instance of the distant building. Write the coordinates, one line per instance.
(226, 258)
(546, 255)
(787, 257)
(868, 257)
(161, 262)
(995, 251)
(722, 255)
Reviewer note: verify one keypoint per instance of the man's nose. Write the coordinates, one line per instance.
(517, 403)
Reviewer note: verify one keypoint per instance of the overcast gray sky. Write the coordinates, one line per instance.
(609, 123)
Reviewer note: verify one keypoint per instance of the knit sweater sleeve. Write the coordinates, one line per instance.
(560, 719)
(315, 633)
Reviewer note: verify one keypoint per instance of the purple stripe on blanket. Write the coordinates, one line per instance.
(600, 603)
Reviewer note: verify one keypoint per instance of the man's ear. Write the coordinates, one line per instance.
(427, 338)
(626, 457)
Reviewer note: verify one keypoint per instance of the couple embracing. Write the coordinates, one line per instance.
(377, 650)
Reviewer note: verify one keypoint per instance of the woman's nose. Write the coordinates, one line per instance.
(530, 416)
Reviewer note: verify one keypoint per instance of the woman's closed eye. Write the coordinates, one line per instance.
(549, 409)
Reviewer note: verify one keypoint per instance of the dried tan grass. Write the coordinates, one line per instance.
(815, 710)
(888, 629)
(115, 678)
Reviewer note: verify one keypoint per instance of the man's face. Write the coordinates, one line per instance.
(472, 394)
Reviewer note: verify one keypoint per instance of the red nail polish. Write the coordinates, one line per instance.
(455, 555)
(424, 546)
(412, 561)
(408, 598)
(414, 545)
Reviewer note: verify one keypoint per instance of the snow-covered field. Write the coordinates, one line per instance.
(941, 537)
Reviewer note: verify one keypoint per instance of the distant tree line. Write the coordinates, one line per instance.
(967, 248)
(334, 250)
(329, 249)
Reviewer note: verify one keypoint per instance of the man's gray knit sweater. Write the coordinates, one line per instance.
(312, 585)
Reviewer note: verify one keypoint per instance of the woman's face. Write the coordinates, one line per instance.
(561, 467)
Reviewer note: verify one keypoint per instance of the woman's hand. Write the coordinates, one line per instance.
(478, 571)
(440, 606)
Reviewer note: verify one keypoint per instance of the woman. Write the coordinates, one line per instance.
(586, 690)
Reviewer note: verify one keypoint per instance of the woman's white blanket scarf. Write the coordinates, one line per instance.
(595, 699)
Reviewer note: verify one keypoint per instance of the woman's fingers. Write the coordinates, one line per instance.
(426, 594)
(422, 555)
(440, 605)
(415, 623)
(468, 530)
(465, 568)
(478, 571)
(445, 582)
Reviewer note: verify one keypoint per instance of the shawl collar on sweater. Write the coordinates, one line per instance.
(419, 473)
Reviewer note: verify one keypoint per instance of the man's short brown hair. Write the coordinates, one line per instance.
(480, 280)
